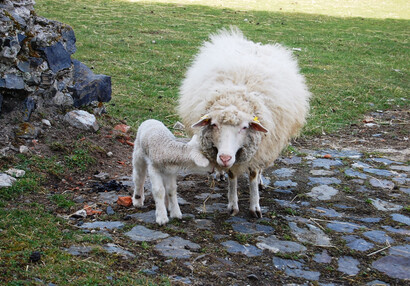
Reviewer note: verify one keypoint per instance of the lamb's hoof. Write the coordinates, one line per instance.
(138, 202)
(257, 213)
(233, 212)
(176, 215)
(162, 220)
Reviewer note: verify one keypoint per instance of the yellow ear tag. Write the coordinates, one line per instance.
(255, 119)
(206, 116)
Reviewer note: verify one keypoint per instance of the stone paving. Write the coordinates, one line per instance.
(330, 218)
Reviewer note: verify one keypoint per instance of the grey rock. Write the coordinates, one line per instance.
(401, 218)
(69, 39)
(147, 217)
(109, 211)
(82, 119)
(385, 206)
(321, 172)
(273, 244)
(355, 174)
(400, 168)
(152, 271)
(103, 225)
(284, 172)
(396, 230)
(291, 161)
(394, 266)
(57, 57)
(352, 154)
(13, 81)
(369, 219)
(204, 223)
(379, 172)
(383, 184)
(326, 163)
(204, 196)
(339, 226)
(384, 161)
(243, 226)
(285, 184)
(176, 247)
(108, 197)
(63, 99)
(89, 87)
(311, 234)
(16, 173)
(400, 250)
(113, 248)
(322, 193)
(323, 181)
(326, 212)
(295, 269)
(357, 243)
(6, 180)
(360, 165)
(183, 280)
(348, 265)
(235, 247)
(323, 257)
(78, 250)
(141, 233)
(377, 283)
(378, 236)
(216, 207)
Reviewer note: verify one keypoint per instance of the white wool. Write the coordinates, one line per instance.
(253, 80)
(157, 151)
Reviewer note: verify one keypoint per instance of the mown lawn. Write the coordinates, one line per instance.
(353, 65)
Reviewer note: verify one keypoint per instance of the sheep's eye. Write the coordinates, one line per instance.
(245, 127)
(213, 125)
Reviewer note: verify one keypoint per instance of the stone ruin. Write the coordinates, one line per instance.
(37, 73)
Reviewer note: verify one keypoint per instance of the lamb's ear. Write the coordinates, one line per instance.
(257, 126)
(204, 120)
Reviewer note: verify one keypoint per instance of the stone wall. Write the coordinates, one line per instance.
(36, 66)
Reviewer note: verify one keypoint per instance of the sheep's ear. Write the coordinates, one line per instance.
(258, 127)
(205, 120)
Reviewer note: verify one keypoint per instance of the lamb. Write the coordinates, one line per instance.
(157, 150)
(249, 100)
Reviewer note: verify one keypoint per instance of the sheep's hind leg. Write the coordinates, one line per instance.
(171, 193)
(254, 179)
(158, 193)
(233, 207)
(139, 174)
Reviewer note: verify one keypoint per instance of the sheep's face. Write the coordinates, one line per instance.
(229, 138)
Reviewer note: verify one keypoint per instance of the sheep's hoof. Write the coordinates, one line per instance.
(257, 213)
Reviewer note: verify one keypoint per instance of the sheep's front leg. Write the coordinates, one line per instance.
(254, 179)
(139, 174)
(158, 192)
(171, 192)
(233, 207)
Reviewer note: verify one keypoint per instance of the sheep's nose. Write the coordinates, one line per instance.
(225, 159)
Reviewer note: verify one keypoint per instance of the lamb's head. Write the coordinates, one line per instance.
(195, 152)
(229, 135)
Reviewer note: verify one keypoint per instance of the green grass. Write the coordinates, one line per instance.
(353, 65)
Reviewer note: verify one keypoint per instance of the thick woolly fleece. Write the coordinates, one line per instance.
(233, 79)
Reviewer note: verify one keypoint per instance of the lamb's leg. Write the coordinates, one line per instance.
(158, 193)
(261, 184)
(254, 179)
(171, 193)
(233, 208)
(139, 174)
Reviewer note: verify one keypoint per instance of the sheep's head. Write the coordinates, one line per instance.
(230, 135)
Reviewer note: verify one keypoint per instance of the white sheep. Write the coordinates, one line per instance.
(249, 99)
(157, 151)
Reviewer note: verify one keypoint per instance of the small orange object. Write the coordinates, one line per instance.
(129, 143)
(327, 156)
(122, 128)
(124, 201)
